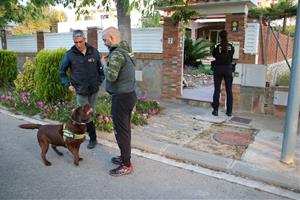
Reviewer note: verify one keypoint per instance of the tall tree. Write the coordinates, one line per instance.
(124, 8)
(16, 11)
(47, 21)
(282, 10)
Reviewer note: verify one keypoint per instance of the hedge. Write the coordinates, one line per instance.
(8, 66)
(48, 87)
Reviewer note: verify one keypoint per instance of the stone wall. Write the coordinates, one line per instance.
(276, 69)
(21, 58)
(252, 99)
(151, 66)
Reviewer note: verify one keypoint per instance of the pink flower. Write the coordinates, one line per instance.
(145, 115)
(156, 101)
(46, 107)
(106, 119)
(153, 111)
(100, 117)
(143, 98)
(40, 104)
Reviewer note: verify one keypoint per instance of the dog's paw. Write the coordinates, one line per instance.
(48, 163)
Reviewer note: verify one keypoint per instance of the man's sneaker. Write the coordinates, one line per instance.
(116, 160)
(121, 170)
(92, 144)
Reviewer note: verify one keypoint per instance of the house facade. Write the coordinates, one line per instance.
(253, 53)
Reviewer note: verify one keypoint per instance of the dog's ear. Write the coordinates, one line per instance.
(76, 112)
(87, 109)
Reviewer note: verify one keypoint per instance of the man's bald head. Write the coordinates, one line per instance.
(111, 36)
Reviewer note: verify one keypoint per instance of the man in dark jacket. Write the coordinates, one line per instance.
(119, 69)
(86, 76)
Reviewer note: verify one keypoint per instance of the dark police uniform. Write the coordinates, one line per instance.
(223, 68)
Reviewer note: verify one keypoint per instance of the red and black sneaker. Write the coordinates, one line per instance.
(117, 160)
(121, 170)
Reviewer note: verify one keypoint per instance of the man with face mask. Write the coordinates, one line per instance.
(119, 70)
(85, 78)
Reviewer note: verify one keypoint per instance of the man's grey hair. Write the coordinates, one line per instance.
(78, 33)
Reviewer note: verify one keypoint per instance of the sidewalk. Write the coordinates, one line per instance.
(178, 133)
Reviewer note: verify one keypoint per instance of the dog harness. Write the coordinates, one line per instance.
(69, 135)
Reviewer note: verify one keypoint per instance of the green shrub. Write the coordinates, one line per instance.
(8, 67)
(25, 80)
(283, 79)
(48, 87)
(194, 51)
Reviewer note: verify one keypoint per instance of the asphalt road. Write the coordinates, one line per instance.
(24, 176)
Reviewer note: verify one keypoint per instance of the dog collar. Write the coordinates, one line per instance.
(69, 135)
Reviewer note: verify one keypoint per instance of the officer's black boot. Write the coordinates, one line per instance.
(91, 129)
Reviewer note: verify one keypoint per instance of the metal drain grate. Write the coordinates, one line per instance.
(240, 120)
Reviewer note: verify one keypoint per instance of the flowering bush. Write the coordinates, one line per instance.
(61, 111)
(103, 120)
(23, 102)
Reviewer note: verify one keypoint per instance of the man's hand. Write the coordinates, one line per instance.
(104, 60)
(71, 88)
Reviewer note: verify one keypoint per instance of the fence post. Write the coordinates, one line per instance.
(92, 36)
(289, 142)
(40, 36)
(4, 34)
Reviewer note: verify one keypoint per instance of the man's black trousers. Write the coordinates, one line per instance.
(121, 109)
(228, 85)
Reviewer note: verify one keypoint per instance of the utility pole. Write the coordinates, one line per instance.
(292, 115)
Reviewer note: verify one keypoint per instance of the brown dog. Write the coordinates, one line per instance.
(71, 135)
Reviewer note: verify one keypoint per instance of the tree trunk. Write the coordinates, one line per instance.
(284, 24)
(124, 22)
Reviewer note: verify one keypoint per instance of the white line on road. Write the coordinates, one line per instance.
(220, 175)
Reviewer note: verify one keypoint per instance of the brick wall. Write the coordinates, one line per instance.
(172, 60)
(92, 36)
(40, 40)
(273, 55)
(239, 36)
(270, 108)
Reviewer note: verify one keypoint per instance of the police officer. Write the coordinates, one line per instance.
(223, 68)
(86, 76)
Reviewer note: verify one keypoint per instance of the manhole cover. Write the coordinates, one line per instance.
(233, 138)
(240, 120)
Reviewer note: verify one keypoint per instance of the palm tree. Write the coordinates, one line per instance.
(283, 10)
(195, 50)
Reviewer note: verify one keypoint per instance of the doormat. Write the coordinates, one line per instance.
(240, 120)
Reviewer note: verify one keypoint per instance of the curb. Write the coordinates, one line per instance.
(210, 161)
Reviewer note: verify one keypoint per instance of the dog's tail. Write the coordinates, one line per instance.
(30, 126)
